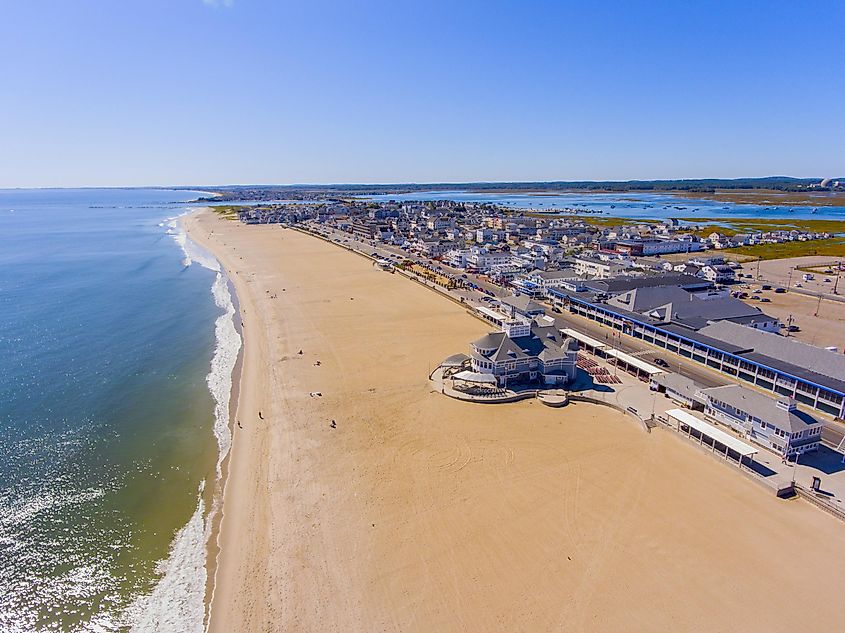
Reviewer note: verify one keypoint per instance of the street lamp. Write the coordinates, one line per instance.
(795, 468)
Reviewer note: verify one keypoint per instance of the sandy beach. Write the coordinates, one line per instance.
(421, 513)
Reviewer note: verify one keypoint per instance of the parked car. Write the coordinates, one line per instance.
(780, 291)
(660, 362)
(765, 300)
(766, 287)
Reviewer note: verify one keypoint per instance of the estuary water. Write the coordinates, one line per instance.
(630, 205)
(117, 346)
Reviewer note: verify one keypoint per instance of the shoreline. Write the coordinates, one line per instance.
(213, 545)
(420, 513)
(212, 548)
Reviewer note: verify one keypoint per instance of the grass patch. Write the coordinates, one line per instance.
(754, 225)
(228, 211)
(767, 197)
(830, 248)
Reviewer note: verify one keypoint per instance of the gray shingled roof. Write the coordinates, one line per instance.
(788, 350)
(623, 283)
(522, 303)
(678, 383)
(544, 342)
(672, 303)
(762, 407)
(491, 340)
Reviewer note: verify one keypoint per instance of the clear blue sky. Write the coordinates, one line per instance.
(246, 91)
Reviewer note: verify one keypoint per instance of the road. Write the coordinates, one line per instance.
(833, 432)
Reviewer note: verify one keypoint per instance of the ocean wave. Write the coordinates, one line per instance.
(223, 365)
(177, 603)
(193, 252)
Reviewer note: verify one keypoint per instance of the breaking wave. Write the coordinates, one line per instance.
(177, 603)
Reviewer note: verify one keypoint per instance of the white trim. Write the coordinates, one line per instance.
(712, 432)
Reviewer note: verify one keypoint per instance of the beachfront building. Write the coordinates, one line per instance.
(526, 351)
(693, 310)
(537, 282)
(483, 260)
(741, 345)
(679, 388)
(521, 306)
(594, 267)
(775, 424)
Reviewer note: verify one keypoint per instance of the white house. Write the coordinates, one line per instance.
(775, 424)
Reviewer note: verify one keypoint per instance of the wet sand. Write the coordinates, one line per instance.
(420, 513)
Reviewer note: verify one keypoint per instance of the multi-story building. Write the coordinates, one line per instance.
(657, 247)
(808, 374)
(525, 352)
(718, 273)
(598, 268)
(778, 425)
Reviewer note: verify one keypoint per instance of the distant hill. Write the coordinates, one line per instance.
(701, 185)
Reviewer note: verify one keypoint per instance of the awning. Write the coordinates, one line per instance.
(633, 361)
(455, 360)
(583, 338)
(474, 376)
(712, 432)
(496, 317)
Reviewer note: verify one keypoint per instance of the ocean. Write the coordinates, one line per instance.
(117, 346)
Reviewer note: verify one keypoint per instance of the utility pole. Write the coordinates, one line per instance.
(789, 280)
(818, 305)
(758, 267)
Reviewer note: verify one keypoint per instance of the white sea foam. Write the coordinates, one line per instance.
(177, 603)
(193, 252)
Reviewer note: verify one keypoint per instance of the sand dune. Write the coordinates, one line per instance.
(420, 513)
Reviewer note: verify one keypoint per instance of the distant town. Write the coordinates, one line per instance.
(504, 243)
(551, 287)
